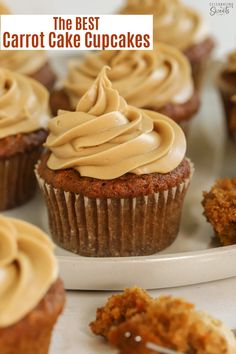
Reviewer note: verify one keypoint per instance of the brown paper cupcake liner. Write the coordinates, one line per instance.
(17, 179)
(96, 227)
(198, 73)
(230, 113)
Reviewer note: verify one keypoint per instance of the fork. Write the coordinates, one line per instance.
(160, 350)
(152, 346)
(155, 347)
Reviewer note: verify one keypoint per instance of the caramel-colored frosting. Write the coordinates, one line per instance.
(4, 9)
(174, 22)
(105, 138)
(230, 66)
(143, 78)
(23, 104)
(28, 268)
(25, 62)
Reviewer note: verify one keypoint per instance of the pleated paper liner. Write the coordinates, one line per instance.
(230, 113)
(17, 179)
(199, 71)
(110, 227)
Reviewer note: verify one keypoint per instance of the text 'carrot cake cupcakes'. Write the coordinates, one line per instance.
(115, 177)
(168, 322)
(24, 115)
(227, 87)
(180, 26)
(31, 294)
(220, 210)
(159, 80)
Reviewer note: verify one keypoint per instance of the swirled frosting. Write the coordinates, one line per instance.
(23, 104)
(143, 78)
(23, 61)
(174, 22)
(28, 268)
(105, 138)
(230, 66)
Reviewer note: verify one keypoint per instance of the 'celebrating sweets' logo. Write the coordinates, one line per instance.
(220, 8)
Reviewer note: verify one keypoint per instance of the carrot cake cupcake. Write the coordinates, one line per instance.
(166, 322)
(28, 62)
(23, 123)
(114, 177)
(158, 80)
(220, 210)
(227, 87)
(178, 25)
(31, 294)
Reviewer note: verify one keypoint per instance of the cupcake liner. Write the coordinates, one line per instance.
(186, 127)
(198, 73)
(230, 112)
(110, 227)
(17, 179)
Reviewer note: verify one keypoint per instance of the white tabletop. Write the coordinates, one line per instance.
(72, 335)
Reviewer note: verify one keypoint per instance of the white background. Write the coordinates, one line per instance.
(223, 27)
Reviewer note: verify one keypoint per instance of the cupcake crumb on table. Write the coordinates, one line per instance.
(171, 323)
(119, 308)
(220, 210)
(32, 295)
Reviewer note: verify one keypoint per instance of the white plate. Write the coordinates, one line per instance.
(193, 258)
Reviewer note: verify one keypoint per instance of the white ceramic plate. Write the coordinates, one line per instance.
(194, 257)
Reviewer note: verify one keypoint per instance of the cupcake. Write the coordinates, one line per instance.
(24, 117)
(227, 86)
(32, 63)
(31, 296)
(164, 324)
(158, 80)
(233, 114)
(220, 210)
(180, 26)
(114, 177)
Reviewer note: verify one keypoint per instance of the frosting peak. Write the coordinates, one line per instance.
(23, 104)
(105, 138)
(174, 22)
(144, 78)
(27, 269)
(101, 98)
